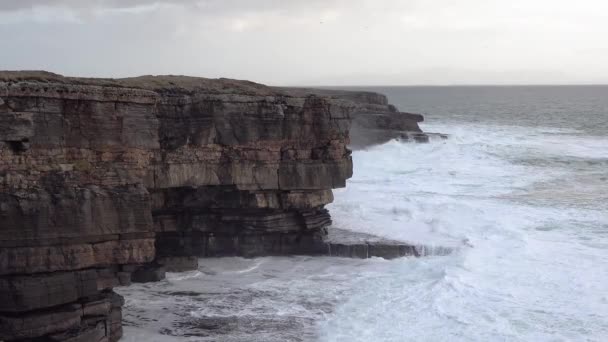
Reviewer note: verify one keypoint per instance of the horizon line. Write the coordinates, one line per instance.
(452, 85)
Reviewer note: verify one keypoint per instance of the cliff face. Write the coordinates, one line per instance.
(103, 179)
(374, 120)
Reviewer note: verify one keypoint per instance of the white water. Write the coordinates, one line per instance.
(527, 209)
(538, 270)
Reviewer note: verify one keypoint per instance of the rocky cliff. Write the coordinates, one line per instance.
(104, 181)
(374, 119)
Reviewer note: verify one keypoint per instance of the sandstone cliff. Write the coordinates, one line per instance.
(102, 180)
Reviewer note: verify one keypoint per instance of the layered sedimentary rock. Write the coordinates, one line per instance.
(374, 119)
(104, 181)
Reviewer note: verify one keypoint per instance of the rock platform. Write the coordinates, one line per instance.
(348, 244)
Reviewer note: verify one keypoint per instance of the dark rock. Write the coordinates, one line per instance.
(40, 323)
(340, 250)
(178, 264)
(148, 273)
(384, 251)
(360, 251)
(374, 120)
(102, 181)
(91, 331)
(25, 293)
(344, 243)
(95, 319)
(124, 278)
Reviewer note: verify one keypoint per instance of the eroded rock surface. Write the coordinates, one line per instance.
(104, 179)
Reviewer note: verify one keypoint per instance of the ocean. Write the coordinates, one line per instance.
(519, 191)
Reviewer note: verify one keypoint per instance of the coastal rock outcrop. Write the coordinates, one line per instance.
(107, 181)
(374, 120)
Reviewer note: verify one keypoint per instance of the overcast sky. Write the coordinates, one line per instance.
(313, 42)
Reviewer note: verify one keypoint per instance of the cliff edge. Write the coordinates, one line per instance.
(374, 120)
(103, 180)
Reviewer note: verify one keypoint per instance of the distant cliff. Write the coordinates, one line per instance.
(105, 181)
(374, 120)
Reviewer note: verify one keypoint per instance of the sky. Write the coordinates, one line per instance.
(313, 42)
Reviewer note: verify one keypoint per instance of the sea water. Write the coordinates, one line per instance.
(519, 191)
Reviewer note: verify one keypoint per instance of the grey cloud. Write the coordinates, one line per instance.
(207, 5)
(13, 5)
(312, 41)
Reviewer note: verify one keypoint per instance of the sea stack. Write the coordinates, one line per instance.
(104, 181)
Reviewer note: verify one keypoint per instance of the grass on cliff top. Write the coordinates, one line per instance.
(161, 83)
(189, 84)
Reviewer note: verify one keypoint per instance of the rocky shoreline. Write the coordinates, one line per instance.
(104, 182)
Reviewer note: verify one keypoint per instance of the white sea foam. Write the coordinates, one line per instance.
(523, 205)
(532, 274)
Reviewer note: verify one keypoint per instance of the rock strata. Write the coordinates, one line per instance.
(104, 182)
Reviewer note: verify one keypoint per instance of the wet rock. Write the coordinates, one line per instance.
(35, 324)
(148, 273)
(348, 244)
(124, 278)
(386, 251)
(91, 331)
(92, 319)
(178, 264)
